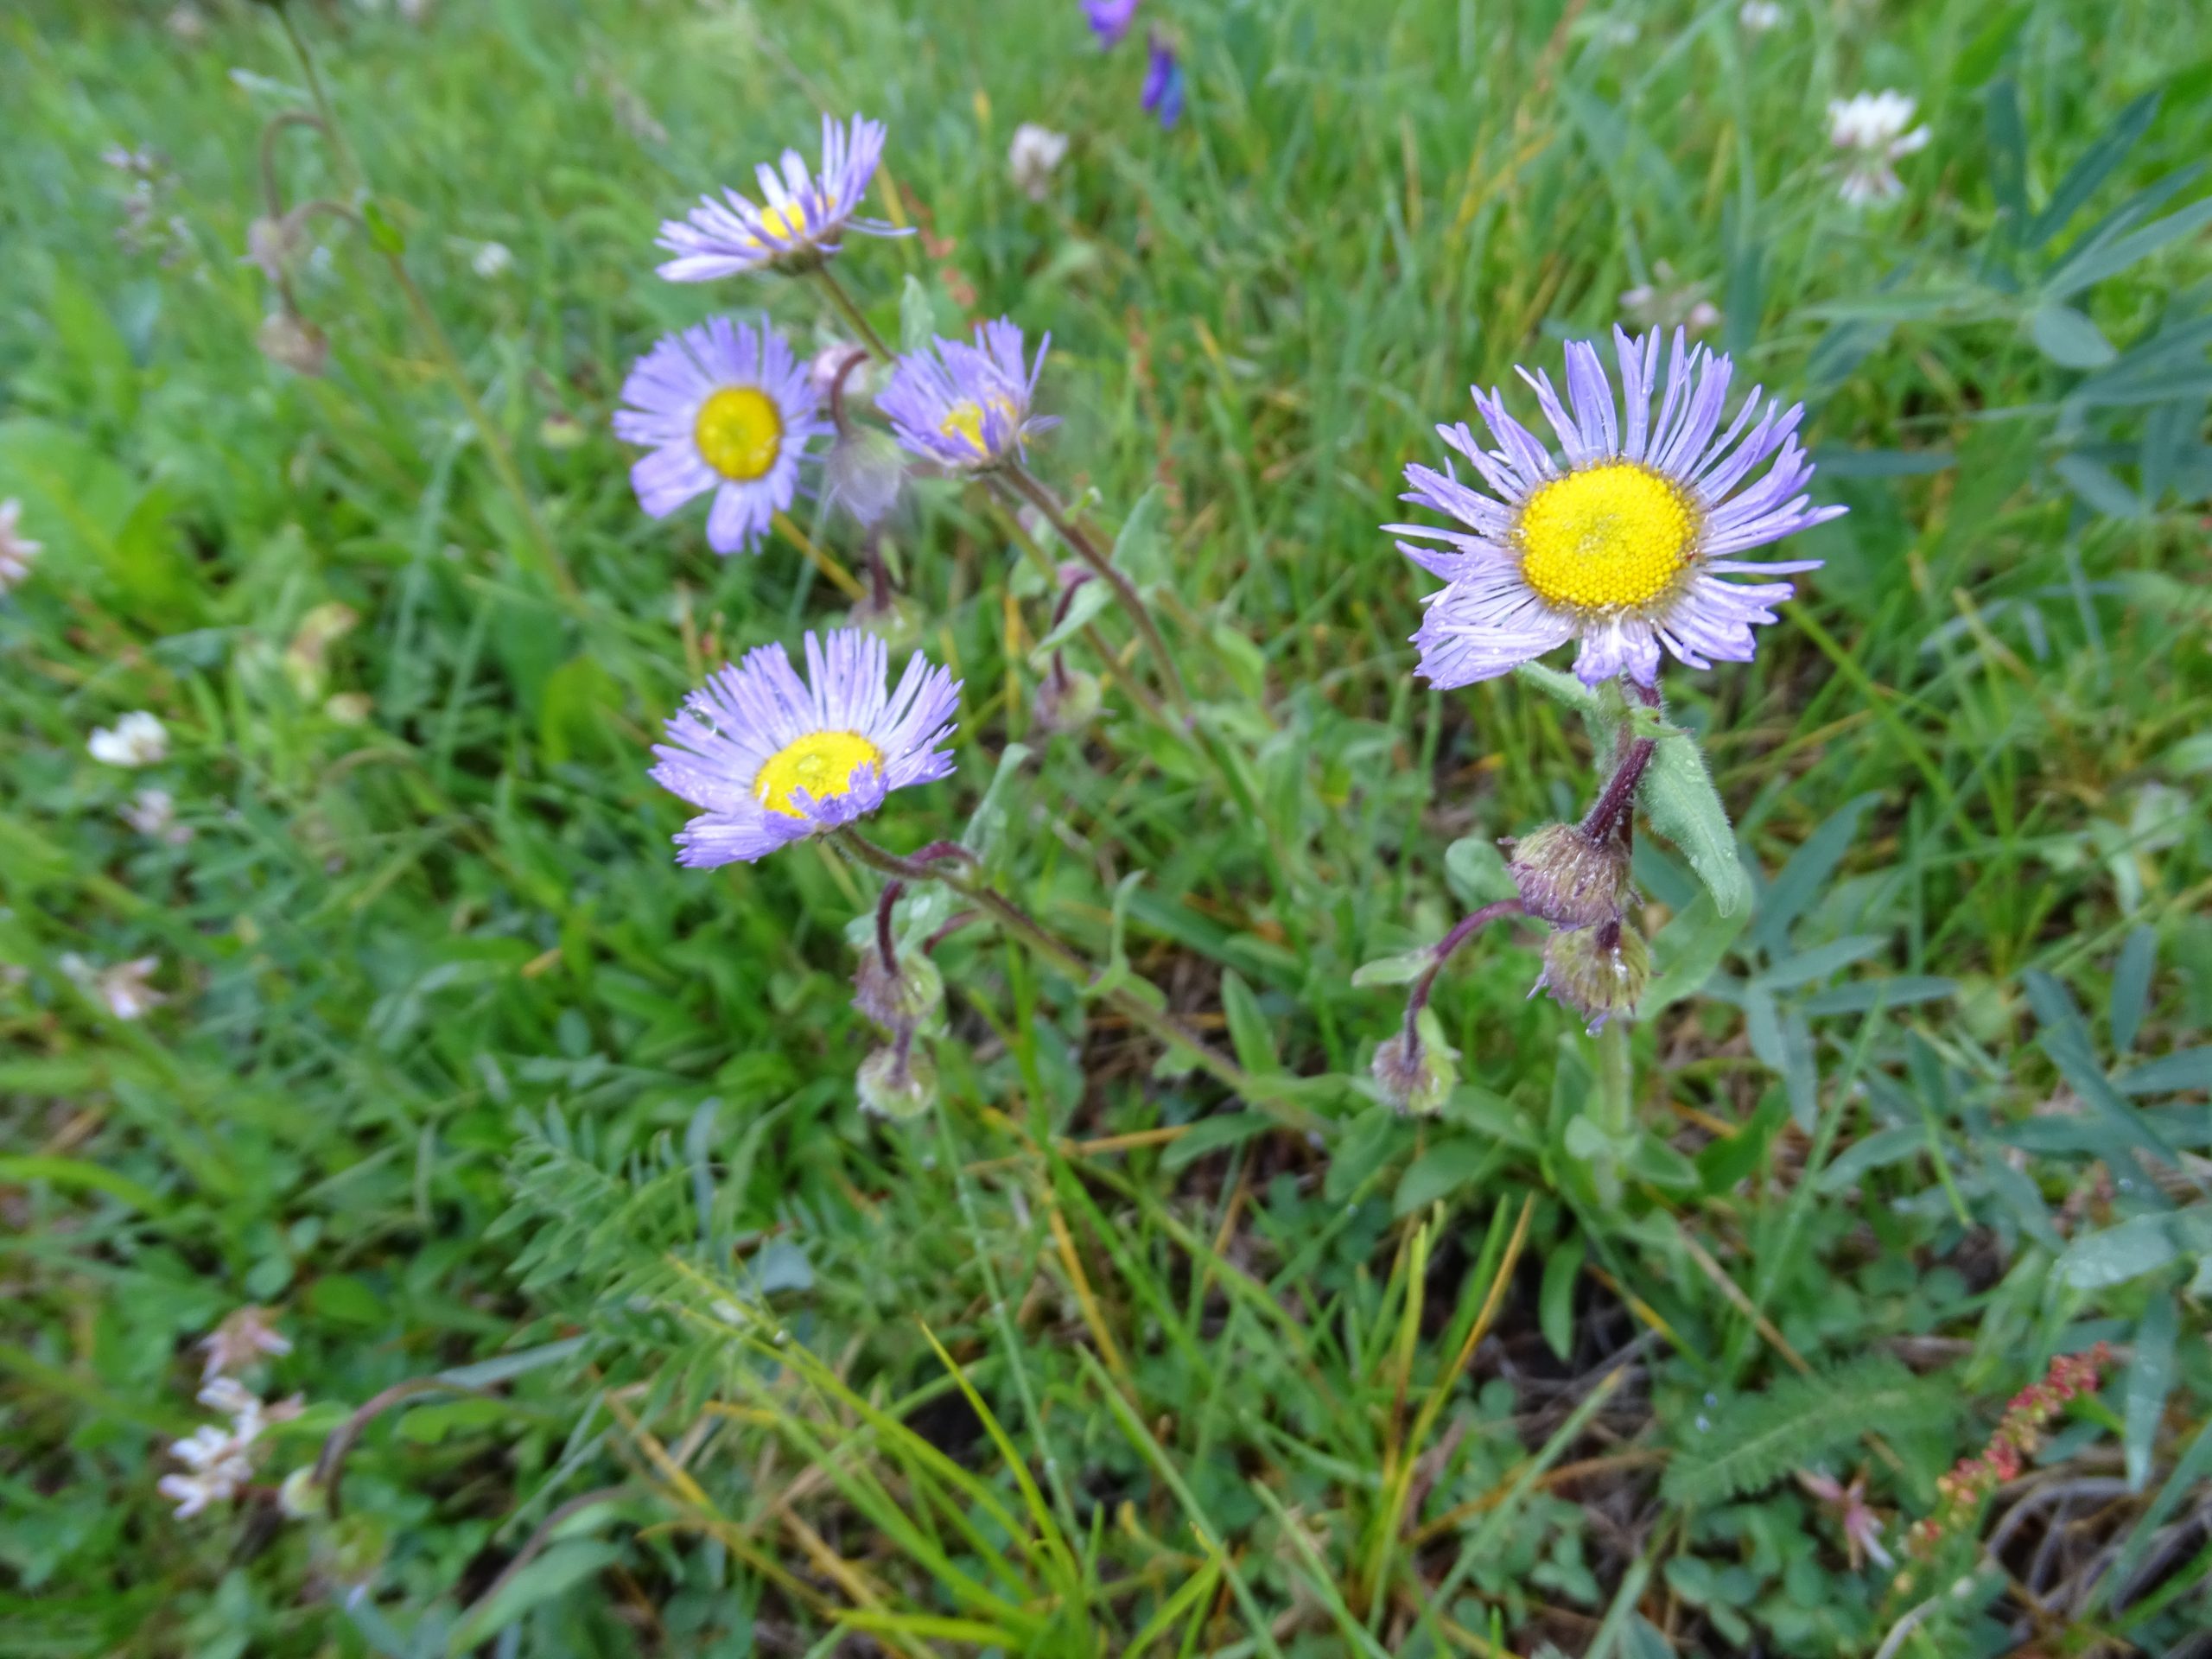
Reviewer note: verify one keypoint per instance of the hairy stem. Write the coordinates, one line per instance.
(937, 862)
(851, 312)
(1443, 951)
(1614, 812)
(1087, 548)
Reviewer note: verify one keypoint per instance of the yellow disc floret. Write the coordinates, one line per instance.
(739, 433)
(966, 423)
(821, 763)
(787, 223)
(1612, 537)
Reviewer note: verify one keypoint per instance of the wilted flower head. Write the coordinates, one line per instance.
(910, 997)
(1067, 700)
(124, 986)
(1757, 16)
(1861, 1527)
(1661, 303)
(725, 408)
(797, 221)
(1871, 129)
(1416, 1071)
(1569, 877)
(1035, 156)
(1624, 543)
(290, 341)
(898, 1081)
(240, 1340)
(138, 739)
(1109, 20)
(771, 759)
(1163, 81)
(1598, 971)
(17, 550)
(966, 407)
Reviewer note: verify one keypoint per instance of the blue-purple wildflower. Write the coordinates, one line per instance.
(797, 222)
(966, 407)
(726, 408)
(1163, 82)
(1109, 20)
(1622, 543)
(770, 759)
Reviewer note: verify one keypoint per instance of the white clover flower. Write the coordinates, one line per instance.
(17, 550)
(137, 739)
(124, 986)
(1035, 156)
(1757, 16)
(152, 813)
(240, 1341)
(1873, 129)
(491, 260)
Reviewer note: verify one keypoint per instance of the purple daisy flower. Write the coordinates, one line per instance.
(770, 759)
(798, 220)
(725, 407)
(966, 407)
(1163, 82)
(1623, 545)
(1109, 20)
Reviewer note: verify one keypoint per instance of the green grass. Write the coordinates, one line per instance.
(459, 1073)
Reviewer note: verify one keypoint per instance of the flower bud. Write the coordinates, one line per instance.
(864, 473)
(301, 1497)
(1598, 971)
(1417, 1070)
(911, 998)
(898, 1082)
(293, 342)
(1067, 700)
(1570, 878)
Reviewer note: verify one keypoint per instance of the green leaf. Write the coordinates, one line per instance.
(1793, 890)
(1753, 1440)
(1211, 1134)
(1246, 664)
(1140, 551)
(1563, 687)
(1400, 970)
(1475, 870)
(1678, 797)
(2150, 1380)
(1737, 1157)
(562, 1567)
(1248, 1028)
(917, 316)
(2131, 988)
(2068, 339)
(2140, 1245)
(1441, 1171)
(428, 1424)
(2108, 257)
(1687, 951)
(1556, 1300)
(1084, 606)
(2094, 167)
(384, 237)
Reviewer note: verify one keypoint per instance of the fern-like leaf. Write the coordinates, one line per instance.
(1756, 1438)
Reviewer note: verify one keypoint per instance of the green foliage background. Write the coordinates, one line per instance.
(459, 1072)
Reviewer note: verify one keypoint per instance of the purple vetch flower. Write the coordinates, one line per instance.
(1624, 543)
(770, 759)
(1163, 82)
(798, 220)
(725, 407)
(966, 407)
(1109, 20)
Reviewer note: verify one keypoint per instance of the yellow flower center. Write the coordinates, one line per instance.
(788, 222)
(966, 422)
(821, 763)
(740, 432)
(1607, 537)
